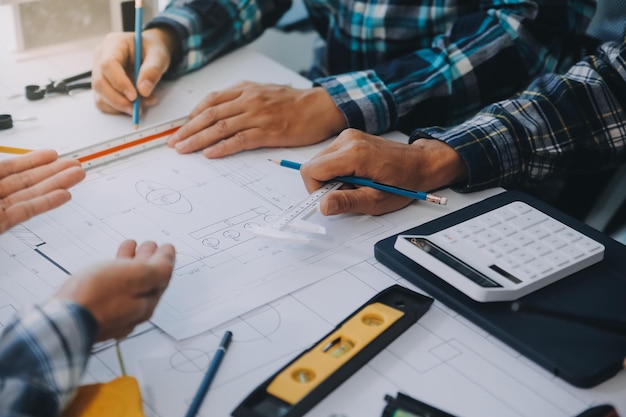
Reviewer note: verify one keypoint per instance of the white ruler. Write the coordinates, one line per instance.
(138, 141)
(294, 218)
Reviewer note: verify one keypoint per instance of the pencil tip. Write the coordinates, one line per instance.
(135, 127)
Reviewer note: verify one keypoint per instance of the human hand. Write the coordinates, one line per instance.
(251, 115)
(34, 183)
(123, 293)
(114, 66)
(424, 165)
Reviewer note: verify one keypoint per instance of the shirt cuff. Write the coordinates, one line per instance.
(364, 99)
(485, 145)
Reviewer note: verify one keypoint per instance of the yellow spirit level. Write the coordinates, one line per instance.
(307, 379)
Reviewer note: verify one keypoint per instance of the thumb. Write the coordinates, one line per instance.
(362, 200)
(342, 201)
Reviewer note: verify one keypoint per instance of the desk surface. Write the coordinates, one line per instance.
(443, 360)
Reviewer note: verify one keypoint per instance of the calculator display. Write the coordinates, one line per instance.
(453, 262)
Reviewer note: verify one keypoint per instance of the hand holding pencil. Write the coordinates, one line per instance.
(115, 84)
(425, 165)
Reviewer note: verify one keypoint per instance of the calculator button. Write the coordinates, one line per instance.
(459, 231)
(557, 259)
(529, 219)
(539, 248)
(505, 229)
(474, 226)
(573, 251)
(553, 226)
(522, 256)
(507, 246)
(570, 235)
(555, 242)
(538, 232)
(588, 244)
(489, 236)
(525, 273)
(541, 266)
(476, 241)
(447, 236)
(508, 263)
(493, 251)
(519, 207)
(521, 239)
(489, 220)
(504, 213)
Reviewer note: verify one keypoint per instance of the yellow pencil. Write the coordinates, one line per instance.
(10, 149)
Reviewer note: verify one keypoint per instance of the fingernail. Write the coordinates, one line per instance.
(332, 207)
(130, 95)
(145, 87)
(180, 147)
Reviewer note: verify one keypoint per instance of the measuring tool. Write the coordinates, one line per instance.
(306, 380)
(294, 218)
(132, 143)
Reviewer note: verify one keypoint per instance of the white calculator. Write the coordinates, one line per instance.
(503, 254)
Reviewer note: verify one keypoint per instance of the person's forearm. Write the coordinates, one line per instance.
(484, 57)
(560, 125)
(43, 354)
(208, 29)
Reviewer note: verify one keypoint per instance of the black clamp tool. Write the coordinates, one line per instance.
(36, 92)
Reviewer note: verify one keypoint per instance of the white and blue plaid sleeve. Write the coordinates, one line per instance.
(43, 354)
(560, 125)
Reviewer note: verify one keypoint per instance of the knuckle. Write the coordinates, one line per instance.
(97, 82)
(209, 115)
(243, 140)
(222, 126)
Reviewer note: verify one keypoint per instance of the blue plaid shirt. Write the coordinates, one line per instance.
(560, 125)
(43, 354)
(393, 64)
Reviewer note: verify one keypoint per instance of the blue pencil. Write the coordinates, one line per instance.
(138, 24)
(418, 195)
(210, 374)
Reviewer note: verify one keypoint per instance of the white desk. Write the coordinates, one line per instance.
(443, 360)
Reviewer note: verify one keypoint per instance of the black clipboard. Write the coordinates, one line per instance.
(579, 354)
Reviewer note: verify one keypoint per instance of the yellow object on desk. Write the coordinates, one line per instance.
(11, 149)
(120, 397)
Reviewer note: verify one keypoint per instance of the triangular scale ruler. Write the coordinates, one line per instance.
(125, 145)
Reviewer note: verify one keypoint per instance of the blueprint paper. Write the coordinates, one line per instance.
(206, 209)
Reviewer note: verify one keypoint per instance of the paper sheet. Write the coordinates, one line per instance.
(205, 208)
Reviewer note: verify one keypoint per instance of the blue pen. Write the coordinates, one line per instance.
(210, 374)
(138, 24)
(418, 195)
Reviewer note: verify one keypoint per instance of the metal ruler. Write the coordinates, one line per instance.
(294, 218)
(129, 144)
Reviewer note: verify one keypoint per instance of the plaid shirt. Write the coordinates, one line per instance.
(393, 64)
(43, 354)
(560, 125)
